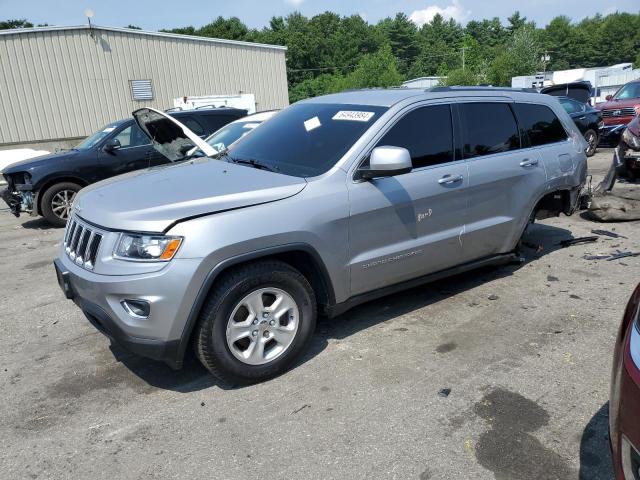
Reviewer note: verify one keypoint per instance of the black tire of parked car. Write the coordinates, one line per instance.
(591, 136)
(209, 338)
(48, 197)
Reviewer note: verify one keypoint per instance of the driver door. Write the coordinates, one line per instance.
(133, 154)
(410, 225)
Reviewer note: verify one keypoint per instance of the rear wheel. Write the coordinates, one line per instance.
(591, 136)
(56, 202)
(256, 322)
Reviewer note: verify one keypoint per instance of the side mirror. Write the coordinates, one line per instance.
(608, 97)
(111, 145)
(387, 162)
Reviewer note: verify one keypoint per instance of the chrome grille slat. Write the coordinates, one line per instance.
(624, 112)
(81, 243)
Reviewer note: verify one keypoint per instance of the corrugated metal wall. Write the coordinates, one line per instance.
(59, 84)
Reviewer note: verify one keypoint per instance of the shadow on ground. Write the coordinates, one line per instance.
(542, 240)
(595, 456)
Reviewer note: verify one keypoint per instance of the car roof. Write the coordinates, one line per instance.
(208, 111)
(389, 97)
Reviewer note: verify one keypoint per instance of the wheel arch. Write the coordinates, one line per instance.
(301, 256)
(45, 184)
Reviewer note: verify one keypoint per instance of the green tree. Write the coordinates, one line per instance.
(402, 36)
(459, 76)
(522, 57)
(9, 24)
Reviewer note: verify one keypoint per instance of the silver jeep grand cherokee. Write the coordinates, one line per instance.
(334, 201)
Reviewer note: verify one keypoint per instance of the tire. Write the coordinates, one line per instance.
(591, 136)
(243, 291)
(53, 205)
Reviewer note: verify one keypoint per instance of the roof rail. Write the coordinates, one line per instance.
(483, 88)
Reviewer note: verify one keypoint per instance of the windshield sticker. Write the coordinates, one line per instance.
(108, 129)
(312, 124)
(250, 126)
(353, 116)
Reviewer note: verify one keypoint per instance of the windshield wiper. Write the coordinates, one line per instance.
(254, 163)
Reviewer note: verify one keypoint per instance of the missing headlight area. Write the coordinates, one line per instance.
(18, 195)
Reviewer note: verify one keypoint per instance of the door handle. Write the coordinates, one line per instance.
(529, 163)
(449, 179)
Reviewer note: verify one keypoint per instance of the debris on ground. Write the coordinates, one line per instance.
(612, 256)
(613, 208)
(620, 254)
(551, 278)
(444, 392)
(306, 405)
(576, 241)
(493, 296)
(607, 233)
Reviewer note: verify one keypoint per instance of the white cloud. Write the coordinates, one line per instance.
(295, 3)
(455, 11)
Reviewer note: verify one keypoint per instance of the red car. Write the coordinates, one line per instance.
(624, 402)
(621, 107)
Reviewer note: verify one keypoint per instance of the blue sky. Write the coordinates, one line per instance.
(155, 14)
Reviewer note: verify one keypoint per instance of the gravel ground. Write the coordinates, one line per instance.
(525, 351)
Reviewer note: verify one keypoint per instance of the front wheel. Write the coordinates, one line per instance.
(56, 202)
(256, 322)
(591, 136)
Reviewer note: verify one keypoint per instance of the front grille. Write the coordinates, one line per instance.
(619, 112)
(81, 243)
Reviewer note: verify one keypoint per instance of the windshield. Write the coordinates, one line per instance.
(306, 139)
(630, 90)
(92, 140)
(229, 134)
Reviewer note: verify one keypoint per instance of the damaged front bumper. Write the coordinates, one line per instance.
(20, 197)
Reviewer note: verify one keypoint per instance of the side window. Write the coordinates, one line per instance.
(488, 128)
(426, 132)
(539, 125)
(216, 122)
(132, 136)
(192, 124)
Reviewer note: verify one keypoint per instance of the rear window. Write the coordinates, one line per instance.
(192, 124)
(538, 125)
(216, 122)
(489, 128)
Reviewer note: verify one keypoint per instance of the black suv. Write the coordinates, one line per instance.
(47, 185)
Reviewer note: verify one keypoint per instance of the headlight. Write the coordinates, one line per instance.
(146, 248)
(630, 139)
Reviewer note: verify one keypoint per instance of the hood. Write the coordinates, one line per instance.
(168, 136)
(31, 163)
(152, 200)
(580, 91)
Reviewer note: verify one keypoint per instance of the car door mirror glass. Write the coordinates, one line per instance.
(112, 144)
(386, 162)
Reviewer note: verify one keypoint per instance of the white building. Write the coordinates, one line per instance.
(604, 80)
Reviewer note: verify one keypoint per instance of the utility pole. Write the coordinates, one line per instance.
(463, 49)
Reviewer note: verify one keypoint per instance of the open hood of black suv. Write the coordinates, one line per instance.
(168, 136)
(580, 91)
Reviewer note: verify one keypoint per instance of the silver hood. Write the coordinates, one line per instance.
(152, 200)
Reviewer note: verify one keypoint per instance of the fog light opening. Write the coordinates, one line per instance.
(136, 308)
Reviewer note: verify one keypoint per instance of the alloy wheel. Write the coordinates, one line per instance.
(262, 326)
(61, 203)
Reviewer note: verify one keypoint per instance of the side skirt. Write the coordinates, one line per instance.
(495, 260)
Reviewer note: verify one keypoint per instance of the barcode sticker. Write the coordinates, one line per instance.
(353, 116)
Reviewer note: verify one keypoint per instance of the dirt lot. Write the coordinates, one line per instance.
(528, 373)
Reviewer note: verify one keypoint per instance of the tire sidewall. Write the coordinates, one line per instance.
(216, 333)
(47, 197)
